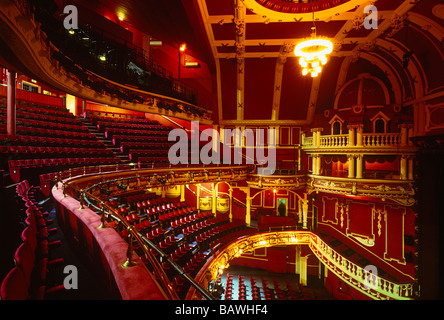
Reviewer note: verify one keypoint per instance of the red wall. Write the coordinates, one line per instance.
(384, 223)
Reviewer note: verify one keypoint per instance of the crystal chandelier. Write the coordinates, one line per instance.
(313, 54)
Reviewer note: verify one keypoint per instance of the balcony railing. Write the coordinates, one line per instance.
(369, 140)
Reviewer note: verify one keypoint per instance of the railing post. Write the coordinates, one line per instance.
(129, 254)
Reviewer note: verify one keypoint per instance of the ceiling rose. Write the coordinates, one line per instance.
(280, 10)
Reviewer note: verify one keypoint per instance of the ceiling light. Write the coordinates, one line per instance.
(102, 57)
(313, 53)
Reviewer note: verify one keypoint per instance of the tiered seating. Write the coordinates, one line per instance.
(242, 289)
(49, 139)
(28, 279)
(255, 290)
(228, 295)
(143, 140)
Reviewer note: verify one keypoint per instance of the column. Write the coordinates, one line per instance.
(351, 136)
(359, 135)
(198, 197)
(300, 211)
(214, 199)
(11, 104)
(314, 163)
(403, 167)
(410, 168)
(303, 271)
(351, 165)
(303, 135)
(231, 205)
(318, 164)
(182, 192)
(248, 212)
(359, 166)
(304, 211)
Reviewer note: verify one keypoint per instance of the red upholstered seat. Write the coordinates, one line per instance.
(14, 286)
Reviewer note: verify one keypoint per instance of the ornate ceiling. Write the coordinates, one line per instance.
(248, 47)
(252, 44)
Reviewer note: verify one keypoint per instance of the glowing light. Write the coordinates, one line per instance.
(102, 57)
(183, 47)
(262, 242)
(313, 53)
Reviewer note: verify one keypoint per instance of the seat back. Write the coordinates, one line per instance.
(14, 286)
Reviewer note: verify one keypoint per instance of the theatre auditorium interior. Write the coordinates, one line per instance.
(221, 150)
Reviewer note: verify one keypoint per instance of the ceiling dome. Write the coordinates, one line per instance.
(365, 90)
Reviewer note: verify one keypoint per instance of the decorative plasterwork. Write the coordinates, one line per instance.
(325, 12)
(353, 274)
(399, 192)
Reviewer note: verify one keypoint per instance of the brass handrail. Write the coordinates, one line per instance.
(87, 198)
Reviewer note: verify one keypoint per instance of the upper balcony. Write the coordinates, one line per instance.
(358, 141)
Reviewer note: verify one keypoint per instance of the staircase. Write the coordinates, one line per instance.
(106, 141)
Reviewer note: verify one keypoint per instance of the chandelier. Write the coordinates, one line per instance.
(313, 54)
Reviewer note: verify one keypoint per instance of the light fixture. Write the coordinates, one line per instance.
(313, 54)
(183, 47)
(102, 57)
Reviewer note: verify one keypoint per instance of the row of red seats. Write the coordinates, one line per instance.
(119, 139)
(27, 280)
(255, 290)
(43, 110)
(33, 163)
(49, 141)
(15, 166)
(47, 124)
(154, 155)
(21, 130)
(103, 125)
(116, 117)
(228, 294)
(141, 133)
(198, 228)
(47, 179)
(48, 152)
(167, 218)
(44, 117)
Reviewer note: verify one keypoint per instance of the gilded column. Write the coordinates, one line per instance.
(359, 166)
(182, 192)
(351, 136)
(304, 211)
(239, 22)
(248, 211)
(351, 165)
(198, 197)
(318, 164)
(410, 168)
(231, 205)
(403, 167)
(11, 104)
(214, 199)
(359, 135)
